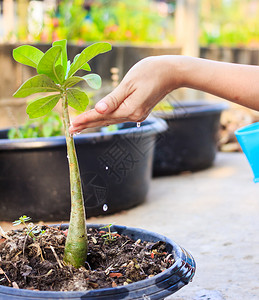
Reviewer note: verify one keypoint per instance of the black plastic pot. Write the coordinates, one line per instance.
(190, 142)
(157, 287)
(115, 167)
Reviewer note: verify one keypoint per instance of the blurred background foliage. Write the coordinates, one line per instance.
(99, 20)
(222, 22)
(229, 22)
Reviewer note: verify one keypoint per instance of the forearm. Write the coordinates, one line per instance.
(235, 82)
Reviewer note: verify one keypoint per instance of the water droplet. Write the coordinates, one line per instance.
(138, 124)
(106, 168)
(105, 207)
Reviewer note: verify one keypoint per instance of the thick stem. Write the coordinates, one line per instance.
(76, 242)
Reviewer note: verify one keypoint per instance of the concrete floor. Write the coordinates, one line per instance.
(214, 214)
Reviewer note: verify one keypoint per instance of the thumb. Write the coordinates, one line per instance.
(110, 102)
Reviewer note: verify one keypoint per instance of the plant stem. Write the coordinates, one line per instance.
(76, 243)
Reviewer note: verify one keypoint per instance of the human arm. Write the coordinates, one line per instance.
(152, 78)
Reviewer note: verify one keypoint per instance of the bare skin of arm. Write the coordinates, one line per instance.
(152, 78)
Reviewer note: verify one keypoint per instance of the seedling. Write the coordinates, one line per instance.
(29, 227)
(22, 220)
(109, 236)
(56, 77)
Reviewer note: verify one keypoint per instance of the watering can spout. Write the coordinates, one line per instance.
(248, 138)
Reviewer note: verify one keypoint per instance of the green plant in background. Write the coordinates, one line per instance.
(164, 105)
(110, 128)
(128, 20)
(125, 20)
(56, 77)
(229, 22)
(46, 126)
(69, 20)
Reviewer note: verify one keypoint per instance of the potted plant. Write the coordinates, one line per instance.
(56, 76)
(190, 142)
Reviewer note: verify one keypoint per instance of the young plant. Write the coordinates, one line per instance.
(109, 236)
(22, 220)
(29, 227)
(56, 76)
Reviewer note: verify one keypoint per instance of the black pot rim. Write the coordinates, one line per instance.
(184, 265)
(191, 109)
(150, 126)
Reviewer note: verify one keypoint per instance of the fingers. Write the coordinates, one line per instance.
(92, 119)
(102, 107)
(95, 117)
(80, 121)
(112, 101)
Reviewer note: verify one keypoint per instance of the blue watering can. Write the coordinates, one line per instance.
(248, 138)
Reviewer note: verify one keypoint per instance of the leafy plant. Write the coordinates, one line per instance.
(56, 77)
(46, 126)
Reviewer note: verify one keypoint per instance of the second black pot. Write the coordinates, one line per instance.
(115, 167)
(190, 142)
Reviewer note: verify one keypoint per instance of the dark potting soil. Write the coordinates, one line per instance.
(37, 263)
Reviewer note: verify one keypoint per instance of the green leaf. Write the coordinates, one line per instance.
(87, 54)
(42, 106)
(17, 222)
(76, 58)
(63, 58)
(47, 63)
(77, 99)
(37, 84)
(60, 73)
(86, 67)
(28, 55)
(93, 80)
(72, 81)
(68, 68)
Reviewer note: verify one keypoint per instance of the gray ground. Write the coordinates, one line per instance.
(215, 215)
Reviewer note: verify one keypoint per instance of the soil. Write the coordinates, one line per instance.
(35, 261)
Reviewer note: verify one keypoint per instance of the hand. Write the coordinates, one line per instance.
(152, 78)
(133, 99)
